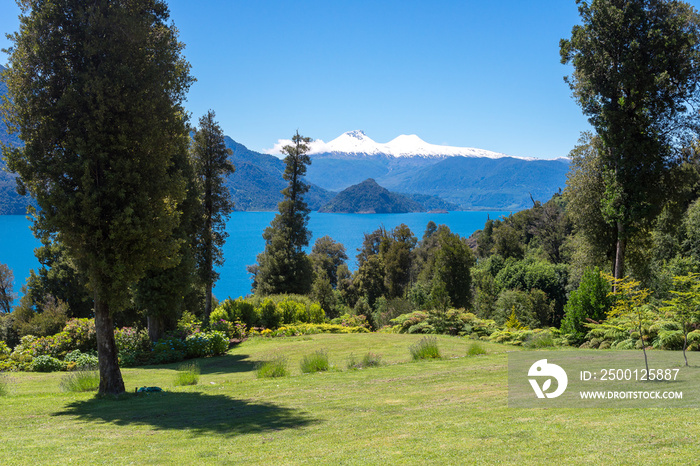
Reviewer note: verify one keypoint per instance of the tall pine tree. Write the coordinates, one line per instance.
(284, 267)
(210, 158)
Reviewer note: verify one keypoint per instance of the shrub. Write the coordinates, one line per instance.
(167, 350)
(81, 381)
(315, 362)
(46, 363)
(81, 361)
(5, 351)
(426, 348)
(201, 345)
(368, 360)
(475, 349)
(276, 367)
(188, 325)
(187, 374)
(270, 315)
(133, 346)
(591, 301)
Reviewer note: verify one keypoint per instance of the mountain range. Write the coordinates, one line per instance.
(474, 179)
(434, 176)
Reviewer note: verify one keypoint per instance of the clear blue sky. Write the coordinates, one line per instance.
(469, 73)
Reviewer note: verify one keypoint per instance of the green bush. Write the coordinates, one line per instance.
(167, 350)
(204, 344)
(426, 348)
(81, 361)
(187, 374)
(475, 349)
(81, 381)
(276, 367)
(315, 362)
(133, 346)
(5, 351)
(591, 301)
(46, 363)
(270, 315)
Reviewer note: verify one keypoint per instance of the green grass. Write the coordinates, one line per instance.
(448, 411)
(80, 381)
(3, 385)
(187, 374)
(315, 362)
(275, 367)
(426, 348)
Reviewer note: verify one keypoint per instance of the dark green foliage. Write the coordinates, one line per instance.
(7, 295)
(59, 278)
(284, 267)
(590, 302)
(51, 319)
(636, 78)
(530, 274)
(95, 94)
(46, 363)
(327, 255)
(369, 197)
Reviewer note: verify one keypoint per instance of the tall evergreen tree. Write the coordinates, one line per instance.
(95, 92)
(636, 76)
(284, 267)
(211, 163)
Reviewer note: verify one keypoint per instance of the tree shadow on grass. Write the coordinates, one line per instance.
(228, 363)
(195, 412)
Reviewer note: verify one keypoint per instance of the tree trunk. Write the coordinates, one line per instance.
(155, 327)
(620, 253)
(111, 381)
(207, 304)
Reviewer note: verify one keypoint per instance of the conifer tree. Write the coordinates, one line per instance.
(95, 93)
(284, 267)
(210, 158)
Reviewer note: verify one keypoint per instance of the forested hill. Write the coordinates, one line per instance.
(257, 183)
(369, 197)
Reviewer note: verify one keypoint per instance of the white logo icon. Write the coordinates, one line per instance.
(542, 369)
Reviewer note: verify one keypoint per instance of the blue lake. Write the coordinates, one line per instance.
(245, 240)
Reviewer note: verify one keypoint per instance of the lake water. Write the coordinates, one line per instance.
(245, 241)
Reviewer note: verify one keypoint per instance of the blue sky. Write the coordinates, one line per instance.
(469, 73)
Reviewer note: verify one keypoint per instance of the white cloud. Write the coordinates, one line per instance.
(317, 147)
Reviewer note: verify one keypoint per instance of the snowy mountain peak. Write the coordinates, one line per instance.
(358, 143)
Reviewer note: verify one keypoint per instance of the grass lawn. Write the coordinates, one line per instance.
(448, 411)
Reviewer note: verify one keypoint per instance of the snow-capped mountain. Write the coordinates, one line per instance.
(356, 143)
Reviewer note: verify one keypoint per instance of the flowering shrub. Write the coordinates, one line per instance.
(133, 346)
(230, 329)
(206, 344)
(46, 363)
(188, 325)
(81, 361)
(168, 350)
